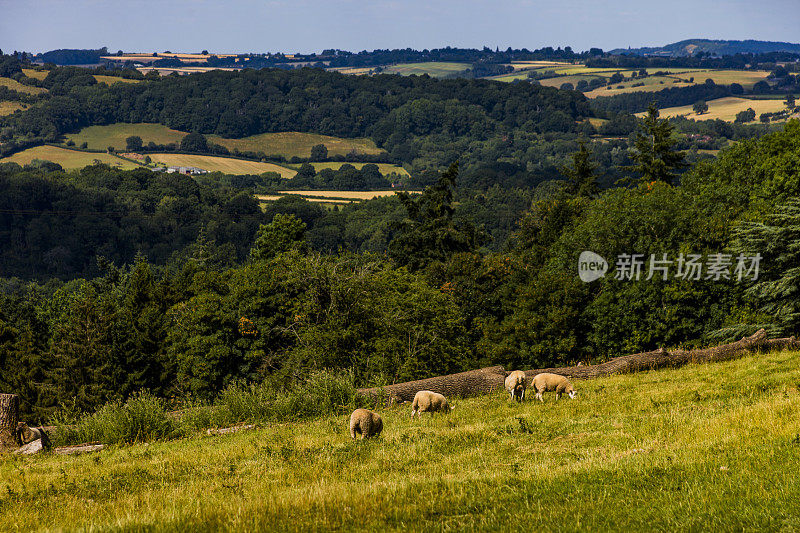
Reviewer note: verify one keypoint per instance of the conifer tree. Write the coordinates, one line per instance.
(654, 154)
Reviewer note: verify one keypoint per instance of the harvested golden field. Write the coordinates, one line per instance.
(68, 159)
(724, 109)
(101, 137)
(344, 195)
(650, 84)
(14, 85)
(110, 80)
(292, 143)
(384, 168)
(226, 165)
(7, 108)
(36, 74)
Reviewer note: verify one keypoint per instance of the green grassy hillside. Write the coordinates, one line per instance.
(712, 447)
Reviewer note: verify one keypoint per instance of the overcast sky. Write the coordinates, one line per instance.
(312, 25)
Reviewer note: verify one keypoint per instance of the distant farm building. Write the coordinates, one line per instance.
(189, 171)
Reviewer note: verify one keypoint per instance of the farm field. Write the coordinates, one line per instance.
(101, 137)
(336, 197)
(724, 109)
(7, 107)
(14, 85)
(32, 73)
(109, 80)
(226, 165)
(290, 144)
(68, 159)
(651, 84)
(703, 447)
(431, 68)
(287, 144)
(385, 168)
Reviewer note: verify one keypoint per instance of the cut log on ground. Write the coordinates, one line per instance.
(9, 416)
(486, 380)
(80, 448)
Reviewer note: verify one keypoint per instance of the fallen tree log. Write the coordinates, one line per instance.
(486, 380)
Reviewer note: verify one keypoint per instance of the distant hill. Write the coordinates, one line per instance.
(692, 47)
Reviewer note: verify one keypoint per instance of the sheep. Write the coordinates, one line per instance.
(429, 401)
(515, 385)
(552, 382)
(26, 434)
(366, 423)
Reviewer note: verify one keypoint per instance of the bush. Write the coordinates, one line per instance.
(142, 418)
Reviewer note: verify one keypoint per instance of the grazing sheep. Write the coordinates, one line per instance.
(365, 423)
(26, 434)
(429, 401)
(515, 385)
(552, 382)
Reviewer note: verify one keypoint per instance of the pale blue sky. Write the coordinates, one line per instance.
(311, 25)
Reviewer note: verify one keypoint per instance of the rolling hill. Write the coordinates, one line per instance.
(691, 47)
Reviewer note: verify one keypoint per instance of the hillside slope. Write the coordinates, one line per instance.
(690, 47)
(704, 447)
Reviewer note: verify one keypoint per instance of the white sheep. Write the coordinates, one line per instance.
(515, 385)
(552, 382)
(429, 401)
(365, 423)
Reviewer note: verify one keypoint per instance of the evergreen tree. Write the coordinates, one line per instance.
(654, 154)
(429, 233)
(581, 180)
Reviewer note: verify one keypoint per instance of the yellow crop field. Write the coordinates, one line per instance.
(109, 80)
(14, 85)
(292, 143)
(101, 137)
(651, 84)
(37, 74)
(7, 108)
(68, 159)
(724, 109)
(227, 165)
(343, 195)
(384, 168)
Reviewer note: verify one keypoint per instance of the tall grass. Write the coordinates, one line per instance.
(145, 418)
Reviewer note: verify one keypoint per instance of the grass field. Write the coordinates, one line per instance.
(110, 80)
(287, 144)
(290, 144)
(7, 108)
(431, 68)
(724, 108)
(221, 164)
(68, 159)
(702, 448)
(20, 88)
(385, 168)
(38, 74)
(101, 137)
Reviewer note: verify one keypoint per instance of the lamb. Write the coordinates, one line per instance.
(429, 401)
(515, 385)
(26, 434)
(552, 382)
(366, 423)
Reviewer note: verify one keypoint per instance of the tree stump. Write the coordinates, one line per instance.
(9, 416)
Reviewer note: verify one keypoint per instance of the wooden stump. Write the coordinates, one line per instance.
(9, 416)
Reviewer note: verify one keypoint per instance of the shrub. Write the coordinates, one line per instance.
(142, 418)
